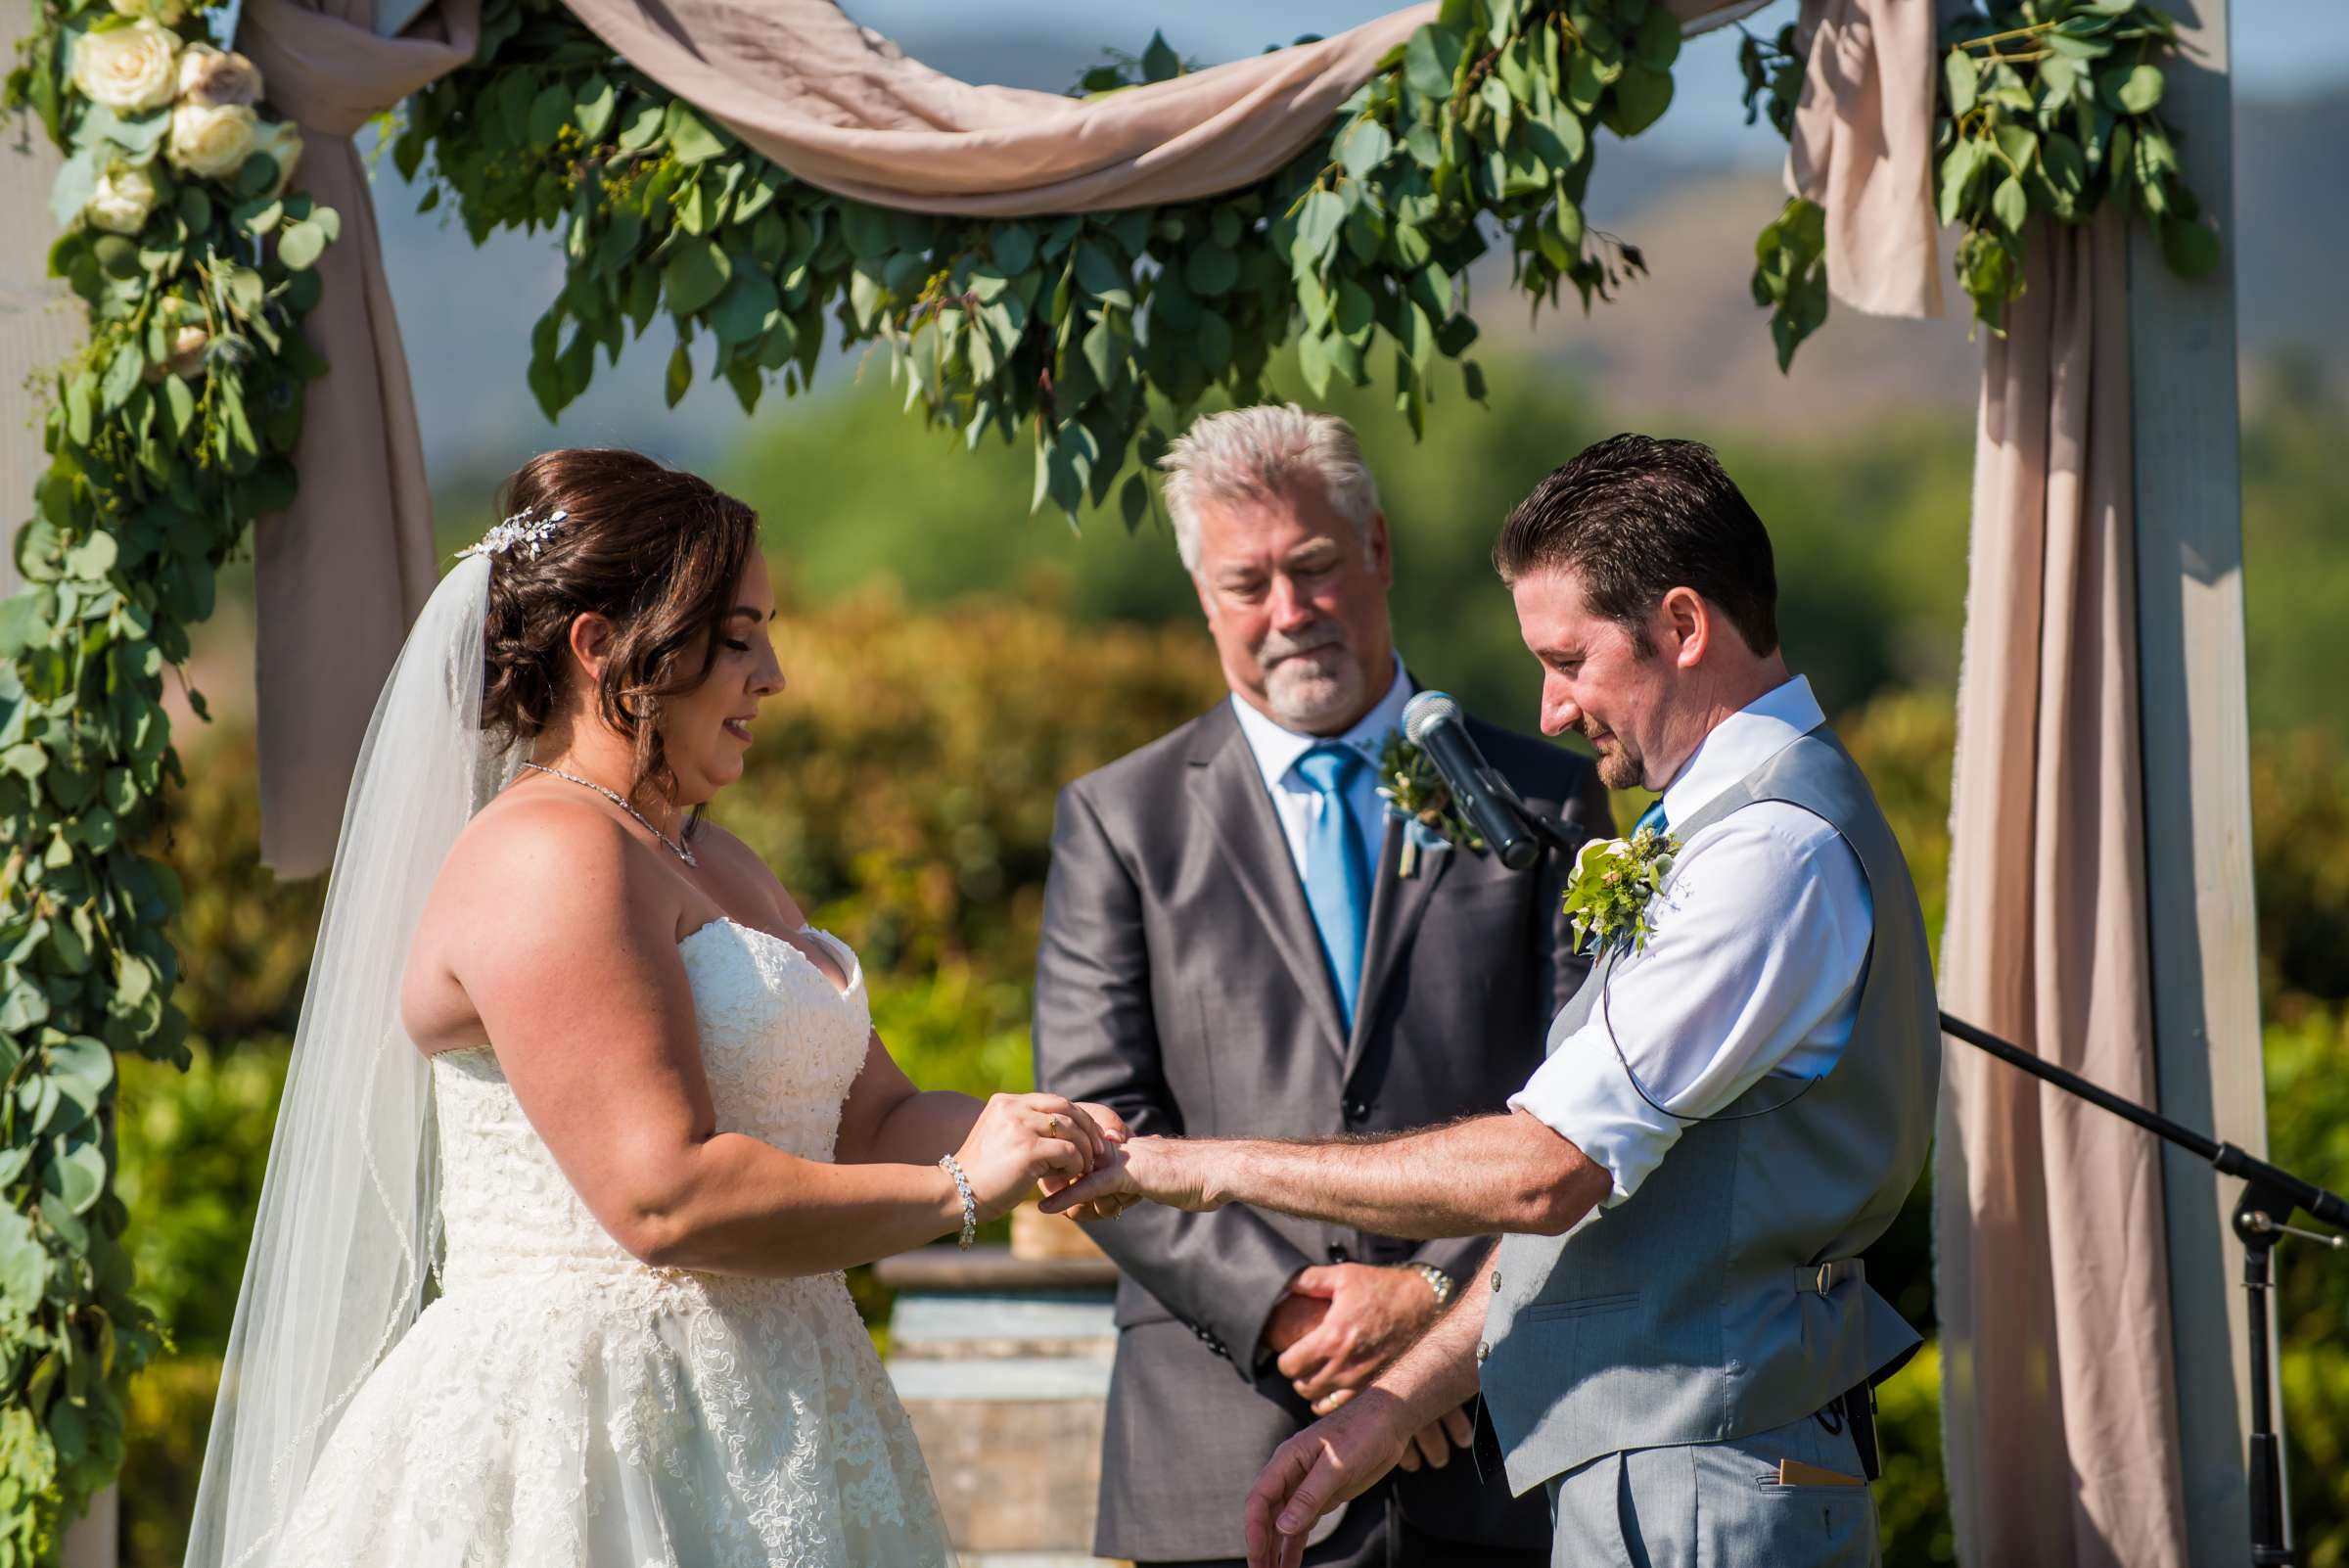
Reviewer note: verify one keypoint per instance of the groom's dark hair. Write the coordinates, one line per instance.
(1634, 517)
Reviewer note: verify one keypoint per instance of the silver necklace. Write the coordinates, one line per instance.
(677, 848)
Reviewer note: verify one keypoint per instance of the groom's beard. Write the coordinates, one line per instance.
(1619, 766)
(1312, 680)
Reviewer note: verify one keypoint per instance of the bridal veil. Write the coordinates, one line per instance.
(343, 1244)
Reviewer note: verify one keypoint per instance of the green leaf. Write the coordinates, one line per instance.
(1365, 145)
(2137, 92)
(644, 123)
(1134, 501)
(680, 376)
(179, 405)
(1319, 221)
(1961, 76)
(1013, 247)
(2009, 206)
(1430, 60)
(94, 557)
(2191, 249)
(692, 141)
(301, 244)
(1639, 99)
(742, 311)
(696, 275)
(550, 111)
(1098, 275)
(123, 374)
(1159, 63)
(24, 1266)
(591, 108)
(867, 229)
(1658, 41)
(1210, 271)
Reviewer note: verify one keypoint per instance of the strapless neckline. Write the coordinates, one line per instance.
(853, 965)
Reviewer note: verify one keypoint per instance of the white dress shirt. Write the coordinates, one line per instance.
(1752, 967)
(1298, 804)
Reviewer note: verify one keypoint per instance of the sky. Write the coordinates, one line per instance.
(2281, 47)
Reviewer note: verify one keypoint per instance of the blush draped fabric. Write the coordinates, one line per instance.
(2059, 1401)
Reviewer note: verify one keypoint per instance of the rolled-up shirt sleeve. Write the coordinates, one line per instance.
(1752, 966)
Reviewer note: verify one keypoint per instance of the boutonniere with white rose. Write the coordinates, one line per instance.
(1415, 793)
(1613, 883)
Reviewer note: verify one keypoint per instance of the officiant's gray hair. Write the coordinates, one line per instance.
(1253, 454)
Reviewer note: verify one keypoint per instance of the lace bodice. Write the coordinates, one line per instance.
(562, 1404)
(780, 1047)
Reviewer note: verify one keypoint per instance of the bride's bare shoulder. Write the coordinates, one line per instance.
(536, 867)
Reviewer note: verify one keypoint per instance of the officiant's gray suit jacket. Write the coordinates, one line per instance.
(1179, 980)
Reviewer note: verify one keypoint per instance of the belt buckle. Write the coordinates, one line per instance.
(1826, 1271)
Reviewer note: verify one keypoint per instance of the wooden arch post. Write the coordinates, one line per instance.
(2197, 788)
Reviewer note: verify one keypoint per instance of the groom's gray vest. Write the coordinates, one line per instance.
(1725, 1296)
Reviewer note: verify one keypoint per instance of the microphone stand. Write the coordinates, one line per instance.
(2271, 1195)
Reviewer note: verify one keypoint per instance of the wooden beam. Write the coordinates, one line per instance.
(2197, 787)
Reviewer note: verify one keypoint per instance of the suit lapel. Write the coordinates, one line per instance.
(1229, 791)
(1398, 903)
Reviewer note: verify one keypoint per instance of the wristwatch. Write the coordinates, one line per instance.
(1437, 1281)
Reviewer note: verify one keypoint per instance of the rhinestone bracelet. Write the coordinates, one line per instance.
(970, 1204)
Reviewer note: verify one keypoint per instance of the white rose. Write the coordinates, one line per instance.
(282, 141)
(208, 75)
(167, 12)
(121, 202)
(210, 140)
(188, 344)
(129, 70)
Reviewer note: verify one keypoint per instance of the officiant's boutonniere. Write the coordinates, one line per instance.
(1613, 880)
(1415, 793)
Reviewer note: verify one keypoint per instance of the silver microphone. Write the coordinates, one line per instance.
(1435, 723)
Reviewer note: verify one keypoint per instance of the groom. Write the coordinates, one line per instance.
(1675, 1338)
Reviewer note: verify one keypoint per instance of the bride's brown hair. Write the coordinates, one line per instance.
(655, 551)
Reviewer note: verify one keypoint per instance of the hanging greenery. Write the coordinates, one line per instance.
(2046, 106)
(1061, 330)
(166, 434)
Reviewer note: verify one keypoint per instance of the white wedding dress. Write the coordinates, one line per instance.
(562, 1404)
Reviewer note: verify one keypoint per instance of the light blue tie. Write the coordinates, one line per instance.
(1652, 817)
(1337, 877)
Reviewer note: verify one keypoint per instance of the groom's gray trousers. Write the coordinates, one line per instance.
(1717, 1505)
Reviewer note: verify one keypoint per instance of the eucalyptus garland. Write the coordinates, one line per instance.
(1067, 330)
(2046, 106)
(165, 434)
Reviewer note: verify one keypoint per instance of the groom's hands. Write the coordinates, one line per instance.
(1371, 1314)
(1174, 1172)
(1327, 1463)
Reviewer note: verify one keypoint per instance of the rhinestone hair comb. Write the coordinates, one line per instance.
(523, 527)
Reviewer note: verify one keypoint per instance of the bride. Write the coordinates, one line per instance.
(584, 1120)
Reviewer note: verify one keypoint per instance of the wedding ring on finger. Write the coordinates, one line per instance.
(1053, 1126)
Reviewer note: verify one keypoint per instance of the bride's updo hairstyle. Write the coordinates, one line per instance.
(655, 551)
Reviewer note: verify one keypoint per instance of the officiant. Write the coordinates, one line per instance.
(1239, 935)
(1677, 1337)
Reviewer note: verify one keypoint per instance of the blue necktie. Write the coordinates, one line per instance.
(1337, 879)
(1652, 817)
